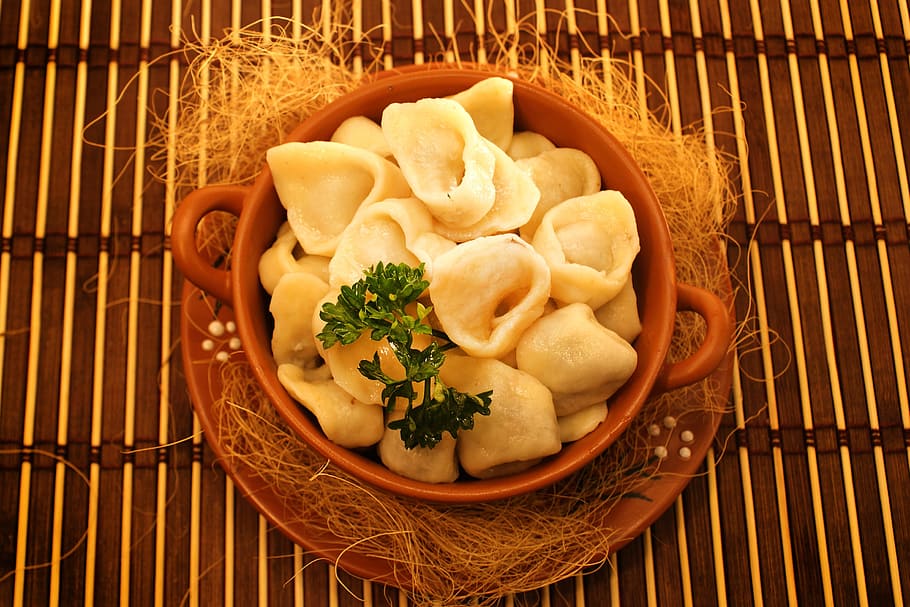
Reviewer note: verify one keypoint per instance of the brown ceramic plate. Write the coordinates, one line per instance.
(628, 519)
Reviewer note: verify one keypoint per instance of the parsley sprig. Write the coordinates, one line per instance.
(379, 303)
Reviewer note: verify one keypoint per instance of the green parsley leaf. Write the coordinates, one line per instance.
(448, 411)
(378, 304)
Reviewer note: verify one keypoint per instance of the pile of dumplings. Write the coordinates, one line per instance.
(528, 259)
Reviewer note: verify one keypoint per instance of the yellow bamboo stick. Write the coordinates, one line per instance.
(35, 335)
(164, 402)
(676, 127)
(761, 310)
(417, 30)
(572, 30)
(387, 59)
(650, 577)
(262, 565)
(707, 113)
(69, 295)
(480, 30)
(101, 303)
(135, 270)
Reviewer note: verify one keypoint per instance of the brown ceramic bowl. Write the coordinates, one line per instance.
(260, 214)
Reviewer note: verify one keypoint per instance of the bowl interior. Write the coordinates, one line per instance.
(535, 109)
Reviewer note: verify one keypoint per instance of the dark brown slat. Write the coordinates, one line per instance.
(631, 573)
(699, 539)
(667, 560)
(212, 532)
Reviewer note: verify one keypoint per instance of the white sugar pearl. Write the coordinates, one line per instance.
(685, 452)
(208, 345)
(669, 421)
(216, 328)
(234, 344)
(686, 436)
(221, 356)
(660, 451)
(654, 430)
(231, 326)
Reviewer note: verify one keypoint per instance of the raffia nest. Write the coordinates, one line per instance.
(243, 94)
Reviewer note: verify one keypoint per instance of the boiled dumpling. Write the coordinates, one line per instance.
(559, 174)
(589, 243)
(343, 360)
(445, 160)
(521, 427)
(361, 132)
(526, 144)
(322, 185)
(438, 464)
(489, 102)
(470, 185)
(509, 359)
(344, 420)
(487, 291)
(386, 231)
(293, 304)
(567, 403)
(515, 201)
(428, 246)
(284, 256)
(576, 357)
(620, 314)
(581, 423)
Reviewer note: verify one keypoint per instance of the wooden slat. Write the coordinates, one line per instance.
(35, 321)
(167, 294)
(99, 377)
(132, 344)
(69, 296)
(673, 97)
(757, 281)
(708, 122)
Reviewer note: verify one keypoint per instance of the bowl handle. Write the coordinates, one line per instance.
(193, 208)
(709, 355)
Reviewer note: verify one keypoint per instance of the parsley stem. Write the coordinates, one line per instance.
(448, 345)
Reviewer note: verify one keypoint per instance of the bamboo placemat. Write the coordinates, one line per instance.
(109, 493)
